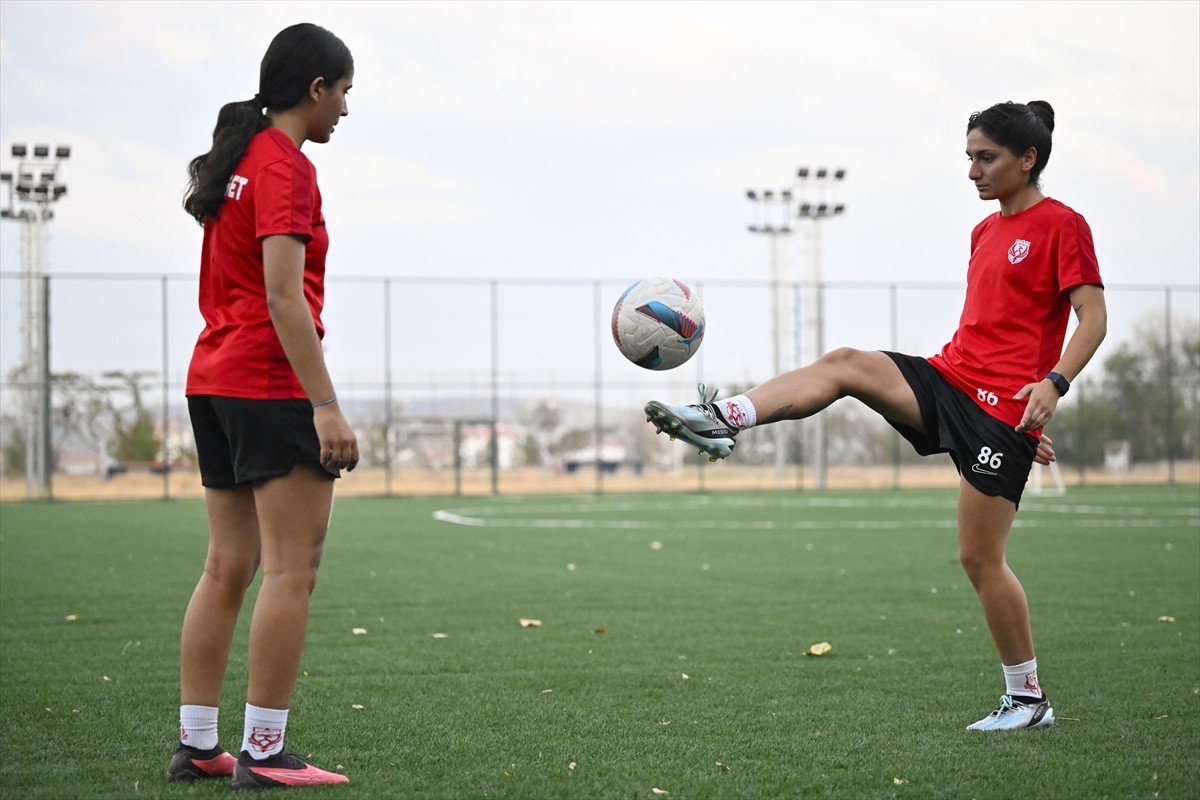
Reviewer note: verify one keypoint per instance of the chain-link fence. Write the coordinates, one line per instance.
(513, 386)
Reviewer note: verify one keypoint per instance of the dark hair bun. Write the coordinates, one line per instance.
(1044, 112)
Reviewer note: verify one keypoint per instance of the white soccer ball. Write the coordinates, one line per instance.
(658, 323)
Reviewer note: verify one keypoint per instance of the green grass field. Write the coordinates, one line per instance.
(634, 593)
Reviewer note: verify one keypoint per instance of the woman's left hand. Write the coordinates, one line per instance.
(1045, 453)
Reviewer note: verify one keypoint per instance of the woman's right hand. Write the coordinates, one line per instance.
(339, 445)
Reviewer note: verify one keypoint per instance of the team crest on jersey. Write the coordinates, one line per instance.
(1018, 251)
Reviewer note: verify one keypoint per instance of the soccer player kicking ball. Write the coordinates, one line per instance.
(986, 397)
(270, 436)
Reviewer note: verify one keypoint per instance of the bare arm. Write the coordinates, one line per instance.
(1092, 313)
(283, 272)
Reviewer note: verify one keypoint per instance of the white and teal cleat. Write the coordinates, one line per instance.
(1013, 715)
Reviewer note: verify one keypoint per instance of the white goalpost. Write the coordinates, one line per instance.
(1038, 487)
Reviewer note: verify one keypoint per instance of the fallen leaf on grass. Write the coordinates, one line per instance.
(898, 781)
(659, 791)
(357, 706)
(1165, 618)
(530, 623)
(572, 765)
(723, 767)
(438, 635)
(818, 649)
(685, 676)
(547, 691)
(72, 617)
(359, 631)
(601, 629)
(656, 546)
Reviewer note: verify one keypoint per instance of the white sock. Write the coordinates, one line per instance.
(1022, 679)
(264, 729)
(738, 412)
(198, 726)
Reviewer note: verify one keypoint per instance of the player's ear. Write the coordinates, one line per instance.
(1029, 160)
(315, 88)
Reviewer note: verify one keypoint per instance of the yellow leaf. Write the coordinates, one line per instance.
(530, 623)
(572, 765)
(656, 546)
(357, 707)
(659, 791)
(1160, 619)
(898, 781)
(685, 676)
(438, 635)
(72, 617)
(819, 649)
(359, 631)
(601, 629)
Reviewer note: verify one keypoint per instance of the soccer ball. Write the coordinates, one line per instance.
(658, 323)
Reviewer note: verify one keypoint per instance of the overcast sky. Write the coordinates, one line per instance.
(617, 139)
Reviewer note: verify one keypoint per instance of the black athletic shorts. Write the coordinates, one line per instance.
(241, 441)
(991, 455)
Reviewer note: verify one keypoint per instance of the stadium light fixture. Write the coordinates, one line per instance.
(819, 203)
(33, 188)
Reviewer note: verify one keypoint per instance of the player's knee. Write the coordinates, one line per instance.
(298, 574)
(233, 573)
(842, 357)
(978, 563)
(847, 368)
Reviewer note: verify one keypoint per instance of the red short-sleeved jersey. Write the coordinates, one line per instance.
(273, 190)
(1014, 319)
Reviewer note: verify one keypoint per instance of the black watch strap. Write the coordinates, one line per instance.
(1059, 381)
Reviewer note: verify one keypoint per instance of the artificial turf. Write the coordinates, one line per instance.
(670, 654)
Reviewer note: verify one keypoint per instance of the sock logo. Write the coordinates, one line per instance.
(1031, 683)
(182, 734)
(263, 739)
(736, 416)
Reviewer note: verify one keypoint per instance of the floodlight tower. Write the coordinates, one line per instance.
(773, 210)
(30, 195)
(818, 191)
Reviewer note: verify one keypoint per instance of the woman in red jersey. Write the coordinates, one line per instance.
(986, 396)
(269, 433)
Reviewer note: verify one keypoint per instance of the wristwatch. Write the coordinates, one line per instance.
(1060, 383)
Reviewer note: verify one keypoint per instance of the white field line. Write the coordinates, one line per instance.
(479, 518)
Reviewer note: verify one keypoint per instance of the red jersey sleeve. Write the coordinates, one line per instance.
(1077, 263)
(283, 200)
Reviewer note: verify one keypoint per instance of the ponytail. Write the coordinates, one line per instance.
(208, 174)
(296, 56)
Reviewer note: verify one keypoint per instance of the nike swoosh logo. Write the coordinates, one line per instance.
(982, 471)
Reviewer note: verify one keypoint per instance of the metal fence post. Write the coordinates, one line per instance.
(166, 411)
(1170, 386)
(387, 387)
(47, 464)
